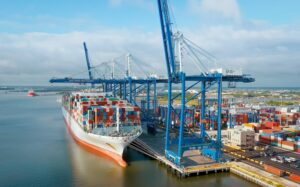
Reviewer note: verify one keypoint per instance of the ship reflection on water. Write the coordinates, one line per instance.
(92, 170)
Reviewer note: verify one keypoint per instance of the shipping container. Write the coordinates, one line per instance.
(288, 145)
(294, 177)
(277, 128)
(273, 170)
(271, 124)
(267, 131)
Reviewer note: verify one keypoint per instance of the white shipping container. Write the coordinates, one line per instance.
(287, 147)
(257, 137)
(228, 72)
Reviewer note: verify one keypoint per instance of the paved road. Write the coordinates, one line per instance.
(255, 155)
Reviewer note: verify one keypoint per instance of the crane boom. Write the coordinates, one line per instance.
(88, 62)
(167, 35)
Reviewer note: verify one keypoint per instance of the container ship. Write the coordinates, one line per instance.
(102, 123)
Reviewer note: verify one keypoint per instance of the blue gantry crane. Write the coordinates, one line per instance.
(175, 46)
(88, 63)
(207, 146)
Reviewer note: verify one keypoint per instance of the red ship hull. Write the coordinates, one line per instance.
(32, 94)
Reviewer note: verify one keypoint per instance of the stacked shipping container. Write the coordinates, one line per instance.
(288, 138)
(103, 111)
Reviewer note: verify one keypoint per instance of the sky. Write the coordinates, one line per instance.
(41, 39)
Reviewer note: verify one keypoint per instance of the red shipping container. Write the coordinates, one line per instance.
(84, 109)
(190, 125)
(268, 131)
(294, 177)
(277, 128)
(271, 124)
(273, 170)
(110, 112)
(136, 108)
(101, 103)
(245, 118)
(131, 117)
(265, 138)
(265, 141)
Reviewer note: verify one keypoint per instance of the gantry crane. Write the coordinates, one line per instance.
(87, 58)
(128, 88)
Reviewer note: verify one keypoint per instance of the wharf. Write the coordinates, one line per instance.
(192, 163)
(259, 176)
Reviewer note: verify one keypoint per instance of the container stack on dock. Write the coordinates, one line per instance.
(276, 126)
(192, 117)
(283, 116)
(240, 118)
(287, 138)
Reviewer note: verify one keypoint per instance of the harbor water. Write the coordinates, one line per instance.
(36, 150)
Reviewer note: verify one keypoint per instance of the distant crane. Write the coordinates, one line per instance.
(88, 63)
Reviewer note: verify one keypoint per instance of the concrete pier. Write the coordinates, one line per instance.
(194, 164)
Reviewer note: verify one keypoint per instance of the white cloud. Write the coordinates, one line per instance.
(220, 9)
(46, 55)
(271, 55)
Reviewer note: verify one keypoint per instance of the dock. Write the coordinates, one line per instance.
(259, 176)
(193, 163)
